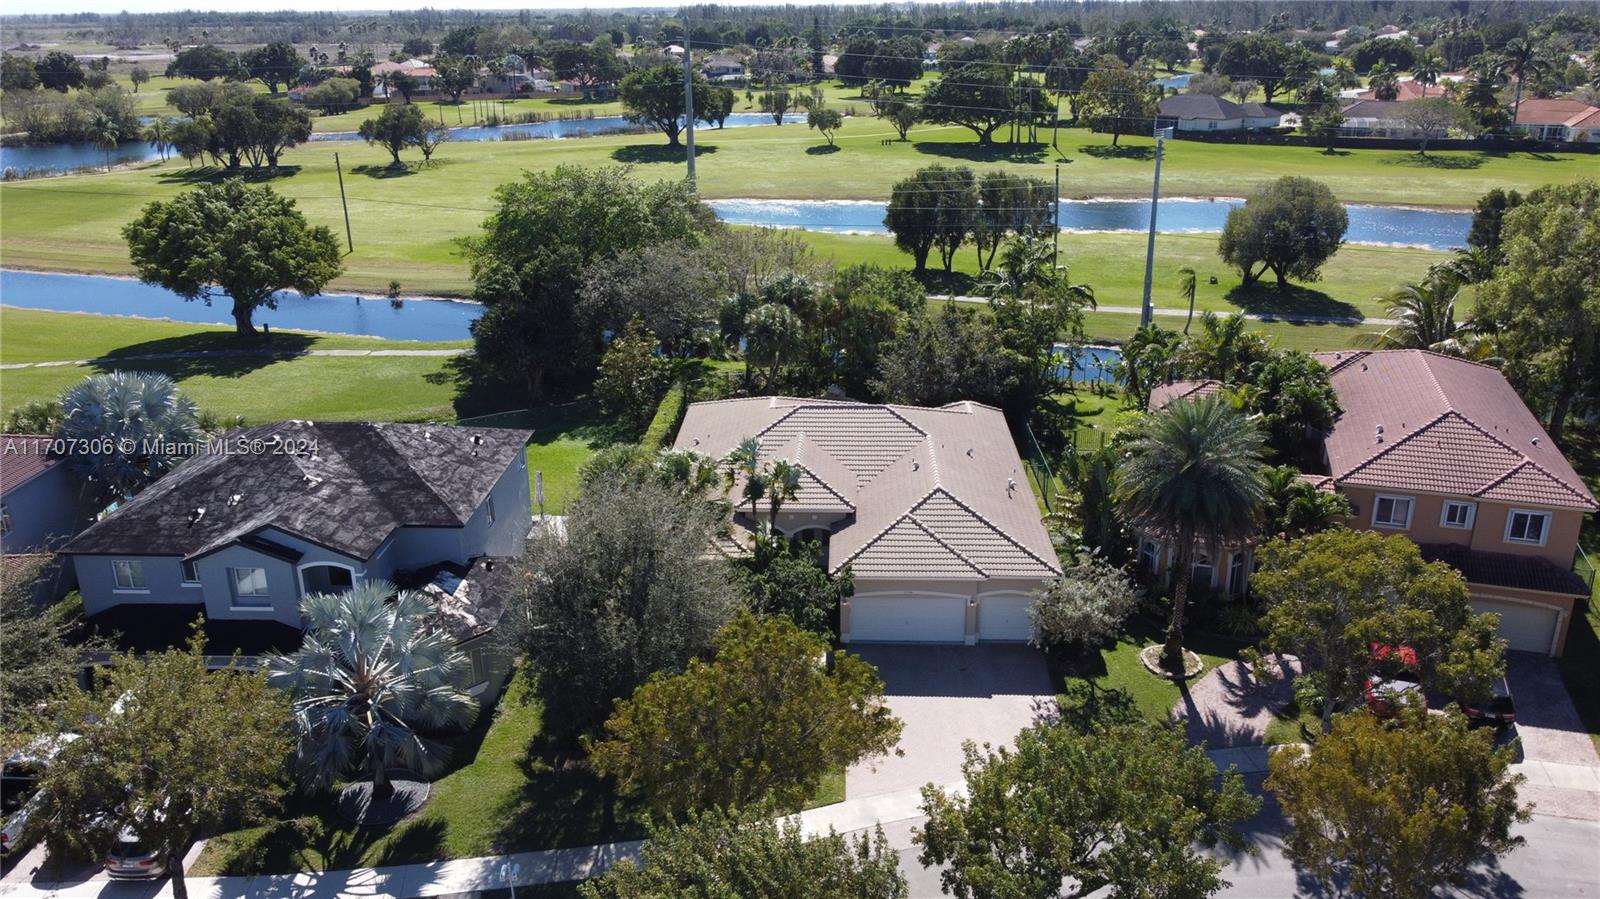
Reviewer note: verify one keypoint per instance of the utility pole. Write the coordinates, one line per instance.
(688, 100)
(1055, 217)
(1146, 313)
(340, 169)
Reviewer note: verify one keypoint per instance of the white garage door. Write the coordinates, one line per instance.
(908, 618)
(1527, 628)
(1005, 618)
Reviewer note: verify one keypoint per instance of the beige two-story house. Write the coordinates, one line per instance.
(1444, 452)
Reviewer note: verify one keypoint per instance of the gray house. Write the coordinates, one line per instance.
(38, 495)
(272, 513)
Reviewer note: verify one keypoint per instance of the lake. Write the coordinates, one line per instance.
(68, 157)
(417, 319)
(1383, 225)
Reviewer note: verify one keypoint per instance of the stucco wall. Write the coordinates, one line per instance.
(43, 511)
(282, 604)
(163, 578)
(1488, 527)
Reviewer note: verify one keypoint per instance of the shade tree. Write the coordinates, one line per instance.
(1290, 227)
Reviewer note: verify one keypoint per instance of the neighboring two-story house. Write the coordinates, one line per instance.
(246, 529)
(929, 509)
(39, 504)
(1444, 452)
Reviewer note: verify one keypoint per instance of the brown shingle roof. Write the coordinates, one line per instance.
(1163, 394)
(23, 457)
(936, 493)
(1506, 569)
(1417, 420)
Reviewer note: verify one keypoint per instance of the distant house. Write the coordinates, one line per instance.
(245, 531)
(722, 67)
(1555, 119)
(1376, 118)
(38, 495)
(426, 75)
(1203, 112)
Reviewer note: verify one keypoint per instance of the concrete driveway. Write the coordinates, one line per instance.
(945, 695)
(1546, 720)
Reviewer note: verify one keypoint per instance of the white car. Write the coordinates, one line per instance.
(19, 778)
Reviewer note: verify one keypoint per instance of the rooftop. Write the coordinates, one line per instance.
(1572, 113)
(1205, 106)
(23, 457)
(1163, 395)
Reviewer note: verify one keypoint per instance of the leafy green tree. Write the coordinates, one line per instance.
(1085, 606)
(1149, 358)
(1543, 303)
(976, 96)
(1260, 57)
(1224, 349)
(455, 76)
(1384, 81)
(334, 95)
(1116, 802)
(1009, 205)
(632, 377)
(1331, 596)
(776, 100)
(952, 355)
(204, 62)
(824, 120)
(133, 426)
(38, 656)
(1323, 123)
(394, 129)
(786, 577)
(400, 82)
(139, 75)
(1192, 476)
(1117, 99)
(1290, 226)
(185, 752)
(275, 64)
(1294, 398)
(935, 207)
(248, 242)
(588, 65)
(530, 263)
(371, 676)
(59, 71)
(670, 287)
(17, 73)
(1430, 118)
(748, 853)
(1383, 810)
(774, 337)
(764, 720)
(1488, 218)
(626, 594)
(654, 97)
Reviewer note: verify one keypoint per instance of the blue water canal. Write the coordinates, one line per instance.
(1387, 225)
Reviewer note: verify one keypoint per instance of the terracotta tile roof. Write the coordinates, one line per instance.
(1507, 570)
(1415, 420)
(1163, 394)
(1409, 90)
(1554, 112)
(935, 493)
(21, 460)
(1320, 481)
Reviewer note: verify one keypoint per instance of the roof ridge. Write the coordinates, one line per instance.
(989, 524)
(1525, 463)
(911, 517)
(1398, 443)
(884, 530)
(800, 444)
(1446, 356)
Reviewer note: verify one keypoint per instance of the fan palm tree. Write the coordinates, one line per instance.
(1193, 476)
(1521, 60)
(1427, 70)
(1186, 290)
(135, 425)
(1384, 81)
(370, 675)
(783, 483)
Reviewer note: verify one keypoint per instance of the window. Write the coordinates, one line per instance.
(190, 574)
(1236, 574)
(491, 510)
(1523, 526)
(5, 521)
(1458, 515)
(128, 574)
(249, 586)
(1205, 573)
(1147, 556)
(1392, 512)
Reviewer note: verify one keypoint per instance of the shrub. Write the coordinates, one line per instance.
(1085, 606)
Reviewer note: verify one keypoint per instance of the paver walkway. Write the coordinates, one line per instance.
(1228, 707)
(264, 352)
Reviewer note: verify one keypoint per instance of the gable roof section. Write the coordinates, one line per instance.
(1163, 395)
(1553, 111)
(936, 493)
(357, 483)
(1416, 420)
(23, 457)
(1200, 106)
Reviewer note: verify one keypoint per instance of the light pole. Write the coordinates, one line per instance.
(1145, 312)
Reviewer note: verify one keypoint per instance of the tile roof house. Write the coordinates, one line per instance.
(1203, 112)
(930, 509)
(1556, 119)
(268, 514)
(1163, 394)
(1376, 118)
(1443, 451)
(38, 495)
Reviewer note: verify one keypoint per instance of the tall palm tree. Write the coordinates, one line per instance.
(371, 674)
(1424, 312)
(1384, 81)
(1193, 476)
(1427, 70)
(783, 483)
(135, 426)
(1186, 290)
(159, 133)
(104, 132)
(1521, 60)
(745, 459)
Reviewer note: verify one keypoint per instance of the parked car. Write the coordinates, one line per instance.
(1387, 696)
(1498, 712)
(19, 784)
(131, 858)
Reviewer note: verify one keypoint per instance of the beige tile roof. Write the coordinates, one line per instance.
(936, 493)
(1162, 394)
(1415, 420)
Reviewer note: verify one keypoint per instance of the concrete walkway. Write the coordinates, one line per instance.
(264, 352)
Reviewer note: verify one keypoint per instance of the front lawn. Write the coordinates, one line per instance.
(1119, 667)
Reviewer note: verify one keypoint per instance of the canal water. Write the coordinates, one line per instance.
(1383, 225)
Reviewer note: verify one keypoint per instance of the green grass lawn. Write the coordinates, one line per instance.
(1119, 667)
(406, 225)
(565, 436)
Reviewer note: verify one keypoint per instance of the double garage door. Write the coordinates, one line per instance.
(936, 618)
(1526, 627)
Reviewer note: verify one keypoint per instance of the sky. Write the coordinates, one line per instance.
(24, 7)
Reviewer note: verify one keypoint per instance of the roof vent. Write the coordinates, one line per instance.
(197, 514)
(969, 452)
(695, 442)
(1011, 485)
(915, 465)
(477, 440)
(427, 435)
(1363, 366)
(1535, 441)
(1378, 435)
(235, 499)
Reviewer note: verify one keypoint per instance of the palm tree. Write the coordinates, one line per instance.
(1147, 360)
(1427, 70)
(1186, 289)
(1470, 265)
(104, 132)
(783, 482)
(1384, 81)
(159, 133)
(1521, 60)
(371, 674)
(1192, 476)
(1424, 312)
(745, 459)
(136, 426)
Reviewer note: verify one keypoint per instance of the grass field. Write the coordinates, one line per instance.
(406, 223)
